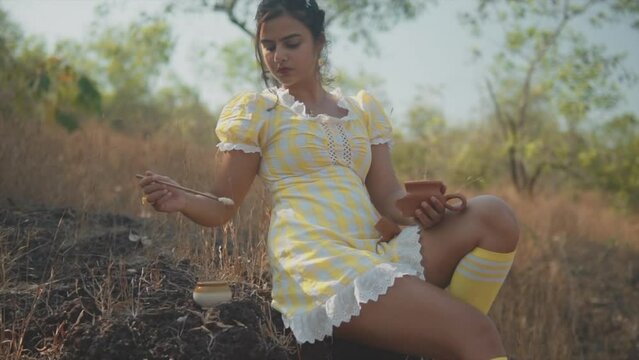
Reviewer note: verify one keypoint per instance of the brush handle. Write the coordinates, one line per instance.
(225, 201)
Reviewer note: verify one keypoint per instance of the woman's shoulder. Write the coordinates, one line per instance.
(248, 101)
(364, 96)
(366, 100)
(243, 98)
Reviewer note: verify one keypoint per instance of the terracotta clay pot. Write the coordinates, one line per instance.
(209, 294)
(387, 229)
(423, 190)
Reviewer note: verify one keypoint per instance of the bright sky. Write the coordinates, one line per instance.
(429, 56)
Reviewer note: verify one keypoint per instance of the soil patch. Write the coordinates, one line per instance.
(77, 286)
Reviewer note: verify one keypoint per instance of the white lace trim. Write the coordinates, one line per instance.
(346, 303)
(409, 248)
(378, 141)
(299, 108)
(226, 146)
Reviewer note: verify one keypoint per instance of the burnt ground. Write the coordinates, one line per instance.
(75, 286)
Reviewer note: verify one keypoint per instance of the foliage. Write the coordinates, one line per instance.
(351, 84)
(611, 161)
(186, 114)
(65, 93)
(466, 155)
(127, 63)
(112, 77)
(234, 65)
(15, 92)
(548, 76)
(37, 84)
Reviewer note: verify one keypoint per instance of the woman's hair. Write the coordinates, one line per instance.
(305, 11)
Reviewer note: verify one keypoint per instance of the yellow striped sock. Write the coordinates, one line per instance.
(479, 276)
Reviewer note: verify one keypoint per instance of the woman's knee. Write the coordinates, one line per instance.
(497, 222)
(483, 337)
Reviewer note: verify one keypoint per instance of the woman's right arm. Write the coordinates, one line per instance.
(235, 172)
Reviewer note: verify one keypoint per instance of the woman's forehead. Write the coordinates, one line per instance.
(282, 27)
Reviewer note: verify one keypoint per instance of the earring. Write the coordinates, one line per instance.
(321, 62)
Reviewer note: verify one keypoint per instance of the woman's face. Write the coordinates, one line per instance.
(289, 50)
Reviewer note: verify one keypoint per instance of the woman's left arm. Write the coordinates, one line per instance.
(383, 186)
(385, 189)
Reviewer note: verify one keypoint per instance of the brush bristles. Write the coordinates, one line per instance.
(226, 201)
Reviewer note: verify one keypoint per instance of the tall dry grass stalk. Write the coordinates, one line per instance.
(539, 312)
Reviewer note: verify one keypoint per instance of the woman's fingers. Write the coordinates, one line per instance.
(430, 213)
(150, 177)
(423, 219)
(166, 195)
(161, 196)
(152, 187)
(154, 196)
(151, 182)
(438, 205)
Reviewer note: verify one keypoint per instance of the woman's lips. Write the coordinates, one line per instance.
(284, 71)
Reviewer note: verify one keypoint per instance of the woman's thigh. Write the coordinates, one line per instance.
(418, 318)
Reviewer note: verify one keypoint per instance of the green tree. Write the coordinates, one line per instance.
(113, 76)
(185, 113)
(36, 84)
(126, 63)
(65, 94)
(10, 36)
(233, 64)
(611, 160)
(548, 72)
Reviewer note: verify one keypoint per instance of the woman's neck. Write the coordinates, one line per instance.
(317, 100)
(312, 96)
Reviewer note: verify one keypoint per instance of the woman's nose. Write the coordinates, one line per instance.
(280, 56)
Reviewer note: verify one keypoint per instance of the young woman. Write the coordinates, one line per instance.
(326, 160)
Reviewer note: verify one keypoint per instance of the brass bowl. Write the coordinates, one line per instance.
(209, 294)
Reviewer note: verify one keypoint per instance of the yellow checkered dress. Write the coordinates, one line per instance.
(322, 240)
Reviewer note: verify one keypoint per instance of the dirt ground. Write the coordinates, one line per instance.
(75, 286)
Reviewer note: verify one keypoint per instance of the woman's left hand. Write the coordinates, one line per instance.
(430, 213)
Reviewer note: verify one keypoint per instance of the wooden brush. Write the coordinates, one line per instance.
(224, 200)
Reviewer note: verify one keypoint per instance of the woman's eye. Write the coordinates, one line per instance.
(292, 46)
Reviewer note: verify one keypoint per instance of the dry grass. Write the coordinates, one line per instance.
(572, 243)
(575, 252)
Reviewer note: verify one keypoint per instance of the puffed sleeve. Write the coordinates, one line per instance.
(239, 124)
(380, 130)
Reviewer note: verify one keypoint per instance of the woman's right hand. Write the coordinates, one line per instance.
(163, 198)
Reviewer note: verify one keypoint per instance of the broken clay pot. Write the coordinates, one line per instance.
(387, 229)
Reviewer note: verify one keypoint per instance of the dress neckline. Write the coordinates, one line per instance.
(298, 107)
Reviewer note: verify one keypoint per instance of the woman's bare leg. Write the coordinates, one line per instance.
(418, 318)
(421, 318)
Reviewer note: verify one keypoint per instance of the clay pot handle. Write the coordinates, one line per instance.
(460, 207)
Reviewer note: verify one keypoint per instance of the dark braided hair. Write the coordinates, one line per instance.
(305, 11)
